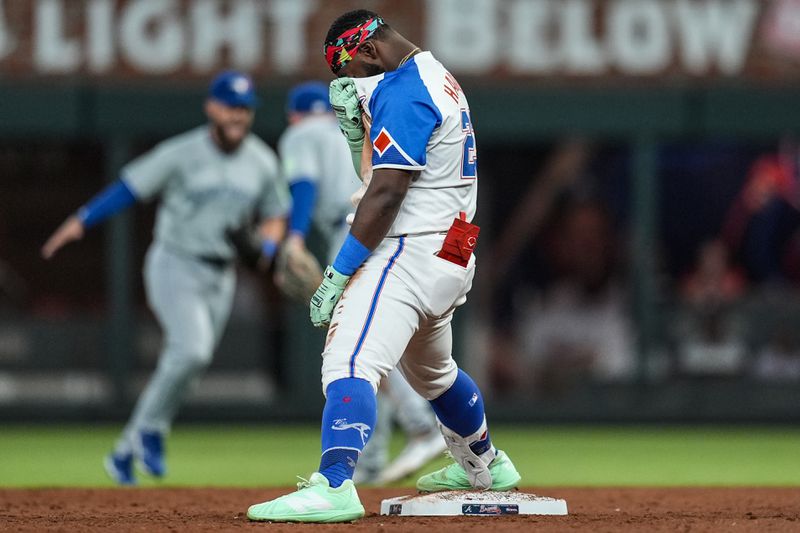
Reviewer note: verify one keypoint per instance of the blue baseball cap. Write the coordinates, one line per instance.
(308, 97)
(234, 89)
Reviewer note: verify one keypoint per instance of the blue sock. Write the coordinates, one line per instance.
(347, 422)
(460, 408)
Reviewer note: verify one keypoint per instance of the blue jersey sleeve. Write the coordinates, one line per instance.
(108, 202)
(403, 120)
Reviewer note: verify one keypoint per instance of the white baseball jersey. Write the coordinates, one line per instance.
(397, 308)
(205, 192)
(315, 150)
(421, 122)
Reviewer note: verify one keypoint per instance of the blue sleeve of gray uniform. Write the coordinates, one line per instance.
(106, 203)
(304, 195)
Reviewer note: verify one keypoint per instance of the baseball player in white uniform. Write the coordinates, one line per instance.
(405, 266)
(210, 181)
(318, 167)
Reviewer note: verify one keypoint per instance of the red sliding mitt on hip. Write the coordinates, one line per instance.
(460, 241)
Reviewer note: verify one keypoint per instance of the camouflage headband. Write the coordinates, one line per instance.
(340, 51)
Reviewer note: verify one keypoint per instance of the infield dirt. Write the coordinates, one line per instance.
(591, 509)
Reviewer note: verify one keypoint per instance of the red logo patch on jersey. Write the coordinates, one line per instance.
(382, 142)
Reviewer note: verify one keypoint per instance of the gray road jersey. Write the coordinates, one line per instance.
(204, 191)
(315, 149)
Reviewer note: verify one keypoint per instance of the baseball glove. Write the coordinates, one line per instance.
(297, 272)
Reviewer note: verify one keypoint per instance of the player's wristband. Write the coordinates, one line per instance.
(351, 256)
(268, 248)
(108, 202)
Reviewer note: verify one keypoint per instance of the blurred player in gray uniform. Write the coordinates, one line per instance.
(318, 166)
(210, 180)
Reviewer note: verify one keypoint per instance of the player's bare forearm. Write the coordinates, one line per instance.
(272, 228)
(380, 205)
(70, 230)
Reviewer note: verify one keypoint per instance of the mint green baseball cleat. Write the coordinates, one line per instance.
(314, 501)
(454, 477)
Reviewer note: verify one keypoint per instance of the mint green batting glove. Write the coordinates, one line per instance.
(344, 101)
(327, 296)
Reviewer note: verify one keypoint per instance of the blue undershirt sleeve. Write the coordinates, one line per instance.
(106, 203)
(304, 196)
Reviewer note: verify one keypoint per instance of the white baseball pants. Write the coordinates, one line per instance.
(396, 311)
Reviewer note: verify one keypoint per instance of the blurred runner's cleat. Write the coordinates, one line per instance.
(150, 453)
(417, 453)
(120, 468)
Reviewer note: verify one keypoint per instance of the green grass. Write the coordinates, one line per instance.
(44, 456)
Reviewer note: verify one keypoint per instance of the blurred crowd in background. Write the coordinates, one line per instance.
(729, 238)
